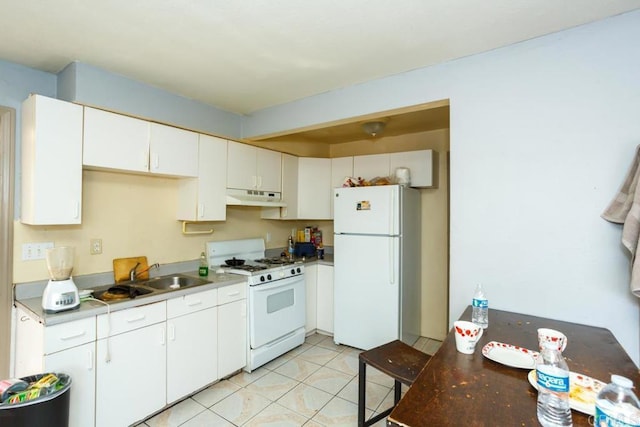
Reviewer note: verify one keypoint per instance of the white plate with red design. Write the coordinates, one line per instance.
(510, 355)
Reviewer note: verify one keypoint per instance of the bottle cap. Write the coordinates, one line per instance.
(621, 381)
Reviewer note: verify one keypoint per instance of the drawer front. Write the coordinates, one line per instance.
(192, 302)
(69, 334)
(232, 293)
(130, 319)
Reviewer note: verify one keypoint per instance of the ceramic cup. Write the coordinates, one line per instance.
(467, 335)
(551, 335)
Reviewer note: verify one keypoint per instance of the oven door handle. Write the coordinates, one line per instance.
(271, 287)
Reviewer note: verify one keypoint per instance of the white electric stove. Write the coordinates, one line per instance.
(276, 298)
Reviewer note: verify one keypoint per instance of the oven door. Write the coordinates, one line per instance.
(275, 310)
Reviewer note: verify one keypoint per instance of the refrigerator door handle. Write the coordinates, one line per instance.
(392, 263)
(392, 212)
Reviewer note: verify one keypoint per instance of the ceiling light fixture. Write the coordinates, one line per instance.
(373, 128)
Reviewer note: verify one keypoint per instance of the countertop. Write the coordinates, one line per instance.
(93, 307)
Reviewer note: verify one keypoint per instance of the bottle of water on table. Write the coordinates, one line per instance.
(553, 387)
(616, 405)
(480, 308)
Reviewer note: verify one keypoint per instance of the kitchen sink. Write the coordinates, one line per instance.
(173, 282)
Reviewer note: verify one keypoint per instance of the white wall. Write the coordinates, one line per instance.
(542, 133)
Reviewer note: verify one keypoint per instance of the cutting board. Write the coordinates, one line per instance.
(122, 267)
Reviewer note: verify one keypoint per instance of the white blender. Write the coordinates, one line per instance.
(61, 293)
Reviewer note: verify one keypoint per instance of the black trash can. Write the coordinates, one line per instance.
(51, 409)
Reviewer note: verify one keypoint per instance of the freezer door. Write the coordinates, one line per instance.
(367, 210)
(366, 290)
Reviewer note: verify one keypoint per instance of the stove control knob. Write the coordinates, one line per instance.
(293, 271)
(268, 277)
(262, 278)
(298, 270)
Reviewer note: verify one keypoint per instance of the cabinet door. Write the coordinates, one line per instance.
(79, 364)
(173, 151)
(192, 353)
(204, 198)
(268, 170)
(114, 141)
(311, 286)
(325, 298)
(420, 164)
(51, 161)
(241, 166)
(314, 188)
(341, 168)
(371, 166)
(133, 383)
(232, 337)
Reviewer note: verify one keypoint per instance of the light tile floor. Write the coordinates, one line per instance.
(313, 385)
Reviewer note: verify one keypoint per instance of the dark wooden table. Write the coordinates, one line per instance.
(457, 389)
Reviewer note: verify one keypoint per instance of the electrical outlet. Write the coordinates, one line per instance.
(95, 246)
(32, 251)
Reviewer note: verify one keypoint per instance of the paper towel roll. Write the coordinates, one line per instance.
(403, 176)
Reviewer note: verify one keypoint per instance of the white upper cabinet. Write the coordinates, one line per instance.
(114, 141)
(306, 188)
(253, 168)
(341, 168)
(51, 161)
(203, 198)
(420, 164)
(371, 166)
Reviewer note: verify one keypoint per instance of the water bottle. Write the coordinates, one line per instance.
(616, 405)
(480, 308)
(203, 270)
(553, 387)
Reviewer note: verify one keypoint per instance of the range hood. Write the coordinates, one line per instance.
(254, 198)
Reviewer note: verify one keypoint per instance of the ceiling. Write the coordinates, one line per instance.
(246, 55)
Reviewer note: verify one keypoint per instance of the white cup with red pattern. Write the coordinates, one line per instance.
(467, 335)
(551, 335)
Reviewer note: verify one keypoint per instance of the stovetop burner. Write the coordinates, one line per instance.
(245, 267)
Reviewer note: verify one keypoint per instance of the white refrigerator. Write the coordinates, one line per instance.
(376, 265)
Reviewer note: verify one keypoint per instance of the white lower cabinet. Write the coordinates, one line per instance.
(68, 348)
(232, 329)
(192, 347)
(319, 293)
(128, 364)
(311, 286)
(131, 376)
(324, 317)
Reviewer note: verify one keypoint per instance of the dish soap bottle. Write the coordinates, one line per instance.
(290, 248)
(203, 270)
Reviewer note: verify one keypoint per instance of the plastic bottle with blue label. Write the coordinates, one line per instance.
(552, 375)
(480, 308)
(617, 405)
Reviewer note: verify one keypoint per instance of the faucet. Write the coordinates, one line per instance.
(133, 273)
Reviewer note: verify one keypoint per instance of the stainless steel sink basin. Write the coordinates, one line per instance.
(176, 281)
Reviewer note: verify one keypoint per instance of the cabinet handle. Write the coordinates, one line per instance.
(172, 332)
(259, 181)
(76, 209)
(76, 335)
(90, 364)
(145, 159)
(200, 210)
(192, 303)
(162, 334)
(156, 161)
(233, 294)
(136, 319)
(254, 181)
